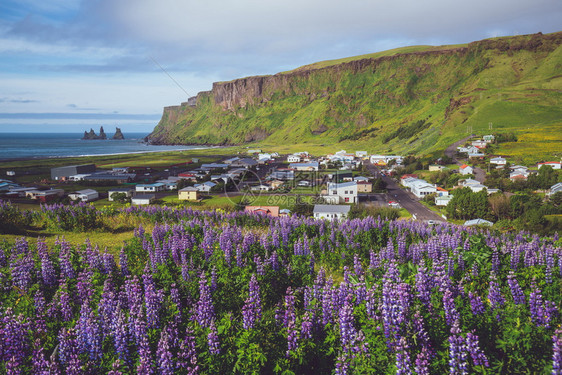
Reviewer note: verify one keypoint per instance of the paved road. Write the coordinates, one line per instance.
(404, 198)
(479, 173)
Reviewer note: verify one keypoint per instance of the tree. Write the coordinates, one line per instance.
(468, 205)
(119, 197)
(499, 205)
(301, 207)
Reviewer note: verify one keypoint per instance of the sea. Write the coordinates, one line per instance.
(58, 145)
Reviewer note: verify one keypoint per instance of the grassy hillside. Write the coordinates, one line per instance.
(409, 100)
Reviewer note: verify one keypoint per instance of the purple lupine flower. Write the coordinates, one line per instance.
(66, 268)
(152, 300)
(477, 355)
(403, 362)
(145, 366)
(516, 291)
(115, 368)
(495, 296)
(187, 355)
(47, 269)
(213, 339)
(22, 268)
(541, 311)
(89, 334)
(476, 304)
(457, 351)
(347, 328)
(124, 263)
(422, 362)
(68, 346)
(251, 311)
(121, 335)
(451, 313)
(557, 352)
(164, 355)
(204, 307)
(14, 338)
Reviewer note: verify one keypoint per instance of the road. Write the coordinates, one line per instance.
(451, 151)
(406, 199)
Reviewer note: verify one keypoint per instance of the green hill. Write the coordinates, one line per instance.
(410, 100)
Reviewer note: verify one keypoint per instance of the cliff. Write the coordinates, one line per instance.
(92, 134)
(118, 134)
(510, 82)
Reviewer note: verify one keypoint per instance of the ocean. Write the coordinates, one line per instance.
(56, 145)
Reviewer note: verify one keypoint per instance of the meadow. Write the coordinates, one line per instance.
(193, 291)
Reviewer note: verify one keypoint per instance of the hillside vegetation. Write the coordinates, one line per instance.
(415, 99)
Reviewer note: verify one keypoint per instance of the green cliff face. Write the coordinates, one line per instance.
(415, 99)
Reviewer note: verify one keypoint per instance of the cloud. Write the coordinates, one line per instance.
(18, 101)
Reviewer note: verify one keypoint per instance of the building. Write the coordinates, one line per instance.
(442, 192)
(556, 188)
(189, 193)
(437, 168)
(364, 187)
(205, 187)
(261, 187)
(341, 193)
(150, 188)
(126, 190)
(86, 195)
(281, 174)
(421, 188)
(553, 164)
(488, 138)
(264, 210)
(312, 166)
(244, 163)
(443, 200)
(187, 176)
(330, 211)
(108, 176)
(62, 173)
(519, 175)
(293, 159)
(470, 223)
(143, 199)
(361, 154)
(479, 144)
(498, 161)
(466, 169)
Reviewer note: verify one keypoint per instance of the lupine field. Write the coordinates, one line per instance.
(222, 293)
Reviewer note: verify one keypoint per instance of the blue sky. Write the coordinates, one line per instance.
(66, 65)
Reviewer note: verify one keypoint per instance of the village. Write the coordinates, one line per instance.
(330, 185)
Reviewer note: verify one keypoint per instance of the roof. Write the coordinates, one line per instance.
(441, 189)
(87, 191)
(122, 189)
(154, 184)
(189, 188)
(343, 185)
(331, 208)
(465, 166)
(477, 222)
(269, 210)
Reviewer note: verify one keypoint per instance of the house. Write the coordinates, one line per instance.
(171, 183)
(364, 187)
(265, 156)
(282, 174)
(143, 199)
(378, 159)
(488, 138)
(312, 166)
(231, 160)
(473, 222)
(466, 169)
(10, 173)
(442, 192)
(361, 178)
(126, 190)
(284, 212)
(188, 176)
(293, 159)
(361, 154)
(211, 166)
(205, 187)
(189, 193)
(479, 144)
(340, 193)
(261, 187)
(519, 175)
(111, 176)
(62, 173)
(86, 195)
(555, 189)
(150, 188)
(443, 200)
(244, 163)
(475, 155)
(330, 211)
(498, 161)
(437, 168)
(276, 184)
(421, 188)
(553, 164)
(304, 183)
(264, 210)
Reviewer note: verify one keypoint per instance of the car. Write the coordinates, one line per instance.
(431, 222)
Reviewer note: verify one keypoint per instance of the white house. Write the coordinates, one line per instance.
(555, 189)
(86, 195)
(443, 200)
(421, 188)
(312, 166)
(553, 164)
(498, 161)
(205, 187)
(142, 199)
(261, 187)
(127, 191)
(479, 144)
(341, 193)
(150, 188)
(330, 211)
(472, 222)
(293, 159)
(466, 169)
(488, 138)
(361, 154)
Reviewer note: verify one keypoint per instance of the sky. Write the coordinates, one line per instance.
(68, 65)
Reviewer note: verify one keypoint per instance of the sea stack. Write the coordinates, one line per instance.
(92, 134)
(118, 134)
